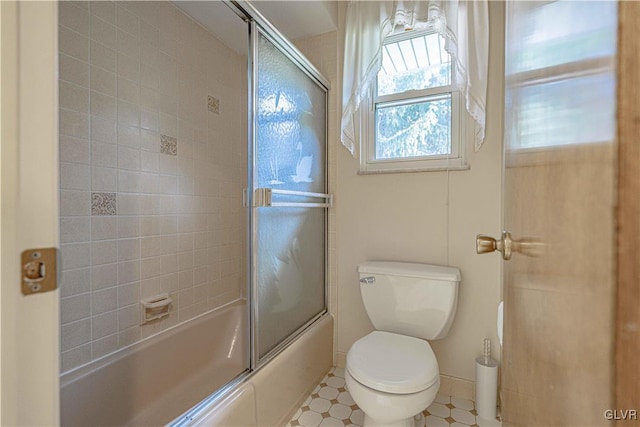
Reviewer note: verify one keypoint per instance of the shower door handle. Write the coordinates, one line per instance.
(263, 197)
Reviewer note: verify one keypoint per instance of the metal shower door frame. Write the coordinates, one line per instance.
(260, 25)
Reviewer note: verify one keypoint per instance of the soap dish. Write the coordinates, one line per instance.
(155, 307)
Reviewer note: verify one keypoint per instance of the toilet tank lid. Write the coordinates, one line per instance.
(407, 269)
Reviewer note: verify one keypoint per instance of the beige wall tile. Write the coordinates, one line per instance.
(74, 17)
(103, 81)
(75, 334)
(128, 67)
(128, 113)
(75, 255)
(75, 282)
(103, 32)
(75, 357)
(150, 267)
(104, 252)
(128, 294)
(74, 308)
(128, 226)
(104, 346)
(73, 97)
(127, 21)
(103, 300)
(104, 154)
(128, 158)
(103, 105)
(103, 227)
(73, 70)
(104, 179)
(129, 316)
(74, 150)
(75, 176)
(104, 324)
(103, 276)
(74, 229)
(128, 272)
(103, 130)
(73, 123)
(103, 56)
(128, 91)
(128, 181)
(149, 35)
(150, 287)
(74, 202)
(73, 44)
(128, 249)
(105, 10)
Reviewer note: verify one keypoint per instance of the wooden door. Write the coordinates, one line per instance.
(560, 197)
(627, 378)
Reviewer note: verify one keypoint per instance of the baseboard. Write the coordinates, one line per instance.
(457, 387)
(341, 359)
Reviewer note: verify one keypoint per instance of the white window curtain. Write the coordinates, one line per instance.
(464, 26)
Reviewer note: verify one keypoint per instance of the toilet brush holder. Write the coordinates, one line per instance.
(486, 384)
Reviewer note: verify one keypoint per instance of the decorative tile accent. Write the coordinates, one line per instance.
(214, 105)
(168, 145)
(319, 410)
(103, 203)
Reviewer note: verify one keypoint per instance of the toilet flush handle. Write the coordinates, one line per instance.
(368, 280)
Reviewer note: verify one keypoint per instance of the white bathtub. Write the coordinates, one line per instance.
(153, 382)
(271, 395)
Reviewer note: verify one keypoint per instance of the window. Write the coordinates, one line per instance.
(414, 117)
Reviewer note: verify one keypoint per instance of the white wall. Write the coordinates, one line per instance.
(429, 217)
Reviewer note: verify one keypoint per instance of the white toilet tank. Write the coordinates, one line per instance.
(418, 300)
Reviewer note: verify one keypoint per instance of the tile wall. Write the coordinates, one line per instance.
(152, 149)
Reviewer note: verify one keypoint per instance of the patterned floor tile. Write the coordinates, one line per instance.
(331, 405)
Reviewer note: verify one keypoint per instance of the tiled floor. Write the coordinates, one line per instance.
(330, 405)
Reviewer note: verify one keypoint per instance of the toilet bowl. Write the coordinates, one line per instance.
(391, 377)
(392, 373)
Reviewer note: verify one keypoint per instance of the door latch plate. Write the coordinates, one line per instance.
(39, 270)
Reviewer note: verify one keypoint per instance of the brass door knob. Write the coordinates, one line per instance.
(529, 246)
(486, 244)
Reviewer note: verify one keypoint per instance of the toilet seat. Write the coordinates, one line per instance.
(393, 363)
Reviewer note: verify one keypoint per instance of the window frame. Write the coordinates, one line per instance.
(456, 160)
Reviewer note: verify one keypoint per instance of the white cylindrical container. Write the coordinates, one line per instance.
(486, 387)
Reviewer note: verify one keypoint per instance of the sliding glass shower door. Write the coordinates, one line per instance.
(289, 200)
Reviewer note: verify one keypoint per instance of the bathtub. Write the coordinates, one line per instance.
(155, 381)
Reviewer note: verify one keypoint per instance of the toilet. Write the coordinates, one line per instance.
(392, 373)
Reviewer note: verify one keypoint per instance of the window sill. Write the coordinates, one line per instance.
(417, 169)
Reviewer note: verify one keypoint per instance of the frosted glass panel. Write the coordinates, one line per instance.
(290, 155)
(560, 74)
(576, 110)
(561, 32)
